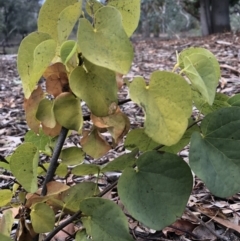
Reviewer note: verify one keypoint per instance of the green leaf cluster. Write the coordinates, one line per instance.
(155, 182)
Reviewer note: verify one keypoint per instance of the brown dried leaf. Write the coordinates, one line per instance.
(56, 187)
(30, 106)
(94, 144)
(33, 198)
(25, 231)
(119, 79)
(180, 224)
(203, 233)
(52, 131)
(226, 223)
(117, 124)
(56, 79)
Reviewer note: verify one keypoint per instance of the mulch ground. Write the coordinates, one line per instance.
(221, 216)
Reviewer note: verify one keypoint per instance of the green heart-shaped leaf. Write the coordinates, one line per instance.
(202, 69)
(72, 155)
(23, 165)
(67, 50)
(42, 217)
(203, 51)
(215, 156)
(75, 194)
(234, 100)
(106, 44)
(157, 191)
(105, 220)
(220, 101)
(45, 113)
(86, 169)
(199, 70)
(121, 162)
(68, 112)
(39, 140)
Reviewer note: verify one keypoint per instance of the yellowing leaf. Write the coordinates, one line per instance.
(53, 132)
(67, 19)
(25, 60)
(68, 111)
(92, 6)
(42, 217)
(167, 103)
(94, 144)
(106, 44)
(130, 10)
(5, 197)
(6, 221)
(86, 169)
(23, 165)
(43, 55)
(49, 15)
(54, 187)
(30, 107)
(97, 87)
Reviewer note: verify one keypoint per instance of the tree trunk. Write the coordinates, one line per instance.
(205, 19)
(220, 16)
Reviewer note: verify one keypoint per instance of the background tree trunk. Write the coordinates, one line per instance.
(220, 16)
(205, 19)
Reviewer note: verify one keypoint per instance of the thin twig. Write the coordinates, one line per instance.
(184, 231)
(54, 161)
(207, 227)
(62, 225)
(71, 219)
(107, 189)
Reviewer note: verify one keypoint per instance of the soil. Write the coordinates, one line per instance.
(150, 55)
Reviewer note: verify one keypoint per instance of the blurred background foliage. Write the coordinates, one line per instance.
(159, 18)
